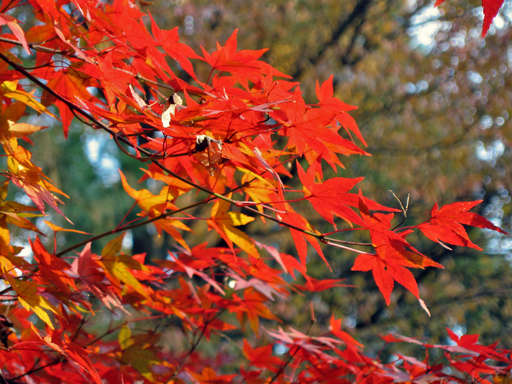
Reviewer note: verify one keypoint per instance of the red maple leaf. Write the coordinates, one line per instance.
(335, 328)
(393, 254)
(446, 224)
(262, 356)
(332, 197)
(325, 95)
(385, 274)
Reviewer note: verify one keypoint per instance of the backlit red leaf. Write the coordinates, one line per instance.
(446, 224)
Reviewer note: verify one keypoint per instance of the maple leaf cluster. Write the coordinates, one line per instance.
(224, 129)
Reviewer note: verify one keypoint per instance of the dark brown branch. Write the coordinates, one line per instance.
(7, 6)
(132, 226)
(195, 344)
(289, 359)
(284, 365)
(482, 294)
(55, 361)
(359, 11)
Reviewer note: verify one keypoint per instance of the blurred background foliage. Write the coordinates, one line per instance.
(434, 104)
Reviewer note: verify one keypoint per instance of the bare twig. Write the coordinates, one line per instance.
(55, 361)
(289, 359)
(195, 344)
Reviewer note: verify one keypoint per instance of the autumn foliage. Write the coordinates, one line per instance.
(220, 129)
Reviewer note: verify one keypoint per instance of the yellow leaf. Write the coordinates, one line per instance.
(22, 129)
(9, 85)
(21, 222)
(6, 265)
(124, 337)
(153, 204)
(219, 210)
(5, 236)
(226, 222)
(3, 190)
(169, 226)
(40, 312)
(177, 185)
(119, 265)
(31, 300)
(240, 239)
(179, 224)
(24, 174)
(113, 247)
(248, 175)
(259, 190)
(221, 213)
(122, 272)
(238, 218)
(56, 228)
(140, 359)
(9, 89)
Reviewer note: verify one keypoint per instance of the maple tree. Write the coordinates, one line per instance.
(224, 141)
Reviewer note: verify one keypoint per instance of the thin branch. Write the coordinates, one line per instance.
(195, 344)
(403, 208)
(359, 11)
(119, 326)
(132, 226)
(42, 48)
(283, 366)
(5, 290)
(289, 359)
(55, 361)
(351, 249)
(7, 6)
(38, 47)
(437, 307)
